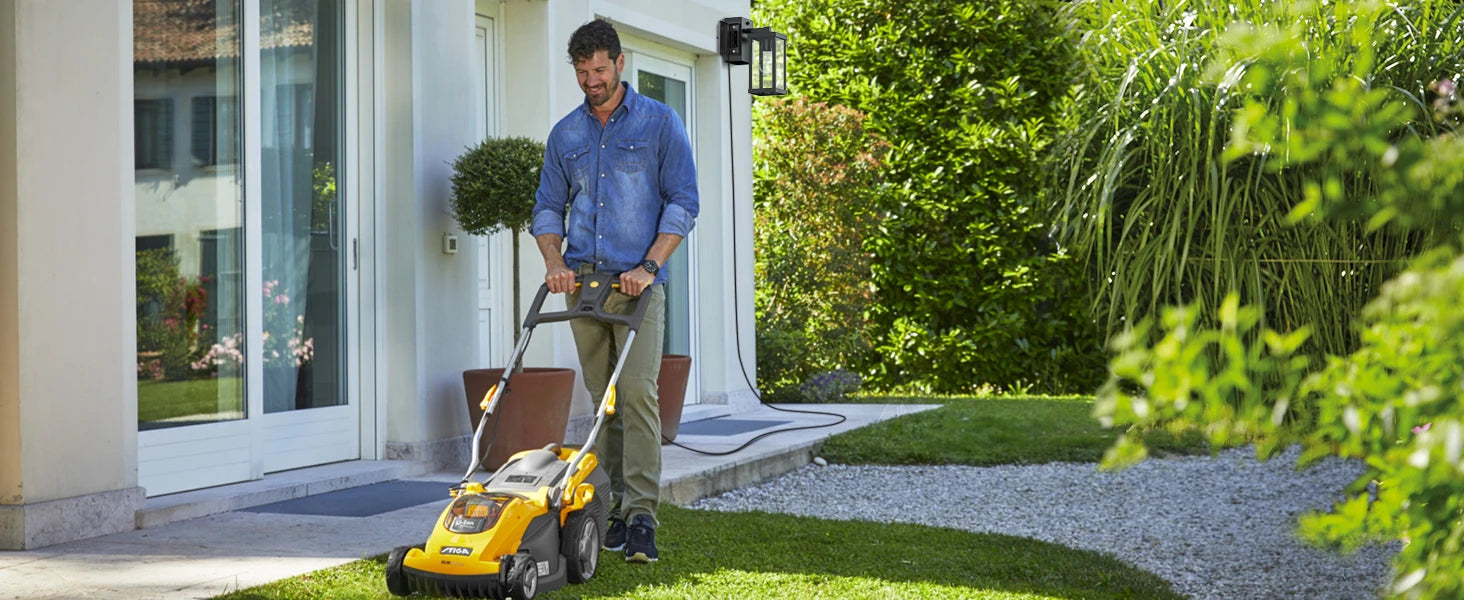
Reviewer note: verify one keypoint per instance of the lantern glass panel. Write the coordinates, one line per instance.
(782, 64)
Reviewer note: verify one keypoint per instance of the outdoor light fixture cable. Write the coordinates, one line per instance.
(737, 302)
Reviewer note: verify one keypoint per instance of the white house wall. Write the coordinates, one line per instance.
(426, 295)
(68, 213)
(68, 389)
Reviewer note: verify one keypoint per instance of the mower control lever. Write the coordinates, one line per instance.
(594, 290)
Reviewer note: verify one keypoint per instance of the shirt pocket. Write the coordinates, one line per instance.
(631, 156)
(577, 162)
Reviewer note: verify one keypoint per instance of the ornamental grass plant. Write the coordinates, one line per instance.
(1148, 201)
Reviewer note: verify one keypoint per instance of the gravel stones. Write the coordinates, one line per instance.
(1216, 528)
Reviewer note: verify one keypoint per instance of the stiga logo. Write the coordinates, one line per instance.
(457, 551)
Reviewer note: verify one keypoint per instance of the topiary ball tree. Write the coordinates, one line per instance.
(493, 186)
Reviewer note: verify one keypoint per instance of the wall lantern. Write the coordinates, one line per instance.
(761, 47)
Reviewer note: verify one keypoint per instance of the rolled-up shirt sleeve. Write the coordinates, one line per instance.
(678, 180)
(552, 199)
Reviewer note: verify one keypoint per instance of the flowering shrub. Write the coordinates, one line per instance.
(285, 344)
(829, 386)
(169, 306)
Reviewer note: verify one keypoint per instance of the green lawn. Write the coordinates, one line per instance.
(756, 555)
(164, 400)
(991, 430)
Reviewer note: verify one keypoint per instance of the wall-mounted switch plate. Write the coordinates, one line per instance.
(449, 243)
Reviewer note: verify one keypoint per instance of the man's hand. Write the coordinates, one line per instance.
(635, 281)
(560, 279)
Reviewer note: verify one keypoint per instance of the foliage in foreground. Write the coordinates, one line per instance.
(1396, 401)
(758, 555)
(1160, 216)
(968, 289)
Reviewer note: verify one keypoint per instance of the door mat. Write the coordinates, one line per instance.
(720, 426)
(363, 501)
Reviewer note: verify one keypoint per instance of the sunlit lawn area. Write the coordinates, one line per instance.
(991, 430)
(755, 555)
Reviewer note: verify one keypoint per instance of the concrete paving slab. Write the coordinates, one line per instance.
(206, 556)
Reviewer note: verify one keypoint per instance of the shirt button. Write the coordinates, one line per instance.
(602, 204)
(602, 145)
(602, 174)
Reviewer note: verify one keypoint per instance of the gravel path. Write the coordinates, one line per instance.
(1216, 528)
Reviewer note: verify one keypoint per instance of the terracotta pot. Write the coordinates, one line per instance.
(532, 413)
(671, 390)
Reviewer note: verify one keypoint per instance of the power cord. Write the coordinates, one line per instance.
(737, 302)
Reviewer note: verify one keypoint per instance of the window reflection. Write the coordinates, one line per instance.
(189, 243)
(301, 106)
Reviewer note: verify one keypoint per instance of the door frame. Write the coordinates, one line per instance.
(495, 275)
(642, 55)
(206, 455)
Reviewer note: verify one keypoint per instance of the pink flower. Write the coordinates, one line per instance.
(1422, 428)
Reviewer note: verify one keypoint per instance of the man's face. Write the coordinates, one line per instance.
(599, 77)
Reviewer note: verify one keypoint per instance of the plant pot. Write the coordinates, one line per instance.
(671, 390)
(532, 413)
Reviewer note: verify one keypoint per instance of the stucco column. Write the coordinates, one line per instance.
(68, 381)
(430, 317)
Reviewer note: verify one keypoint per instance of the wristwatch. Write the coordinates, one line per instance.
(650, 266)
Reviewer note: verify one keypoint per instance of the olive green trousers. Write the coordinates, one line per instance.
(629, 442)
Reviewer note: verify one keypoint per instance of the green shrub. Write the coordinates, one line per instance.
(1395, 402)
(968, 289)
(818, 178)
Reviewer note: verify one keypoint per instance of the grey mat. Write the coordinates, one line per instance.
(363, 501)
(720, 426)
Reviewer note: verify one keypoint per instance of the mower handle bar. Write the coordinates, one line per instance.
(594, 290)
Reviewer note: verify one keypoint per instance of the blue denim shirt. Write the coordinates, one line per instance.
(620, 185)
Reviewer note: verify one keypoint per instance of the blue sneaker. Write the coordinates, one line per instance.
(615, 535)
(641, 545)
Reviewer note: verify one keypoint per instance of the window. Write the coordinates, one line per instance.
(214, 118)
(153, 133)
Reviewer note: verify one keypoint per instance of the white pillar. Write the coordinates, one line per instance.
(68, 380)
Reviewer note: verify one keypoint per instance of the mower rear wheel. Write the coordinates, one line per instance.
(580, 546)
(523, 579)
(396, 579)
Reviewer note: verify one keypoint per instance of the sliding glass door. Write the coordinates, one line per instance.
(242, 280)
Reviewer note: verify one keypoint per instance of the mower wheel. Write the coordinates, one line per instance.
(523, 578)
(396, 580)
(580, 545)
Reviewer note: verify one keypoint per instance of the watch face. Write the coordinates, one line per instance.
(650, 266)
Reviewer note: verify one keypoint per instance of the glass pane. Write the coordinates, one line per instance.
(677, 337)
(301, 109)
(782, 66)
(190, 275)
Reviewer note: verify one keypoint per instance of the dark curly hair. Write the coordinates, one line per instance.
(591, 37)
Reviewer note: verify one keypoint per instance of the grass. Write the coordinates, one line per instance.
(992, 430)
(755, 555)
(746, 555)
(163, 400)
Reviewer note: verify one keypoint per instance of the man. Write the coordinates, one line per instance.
(619, 167)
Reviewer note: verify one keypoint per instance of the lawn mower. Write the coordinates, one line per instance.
(538, 521)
